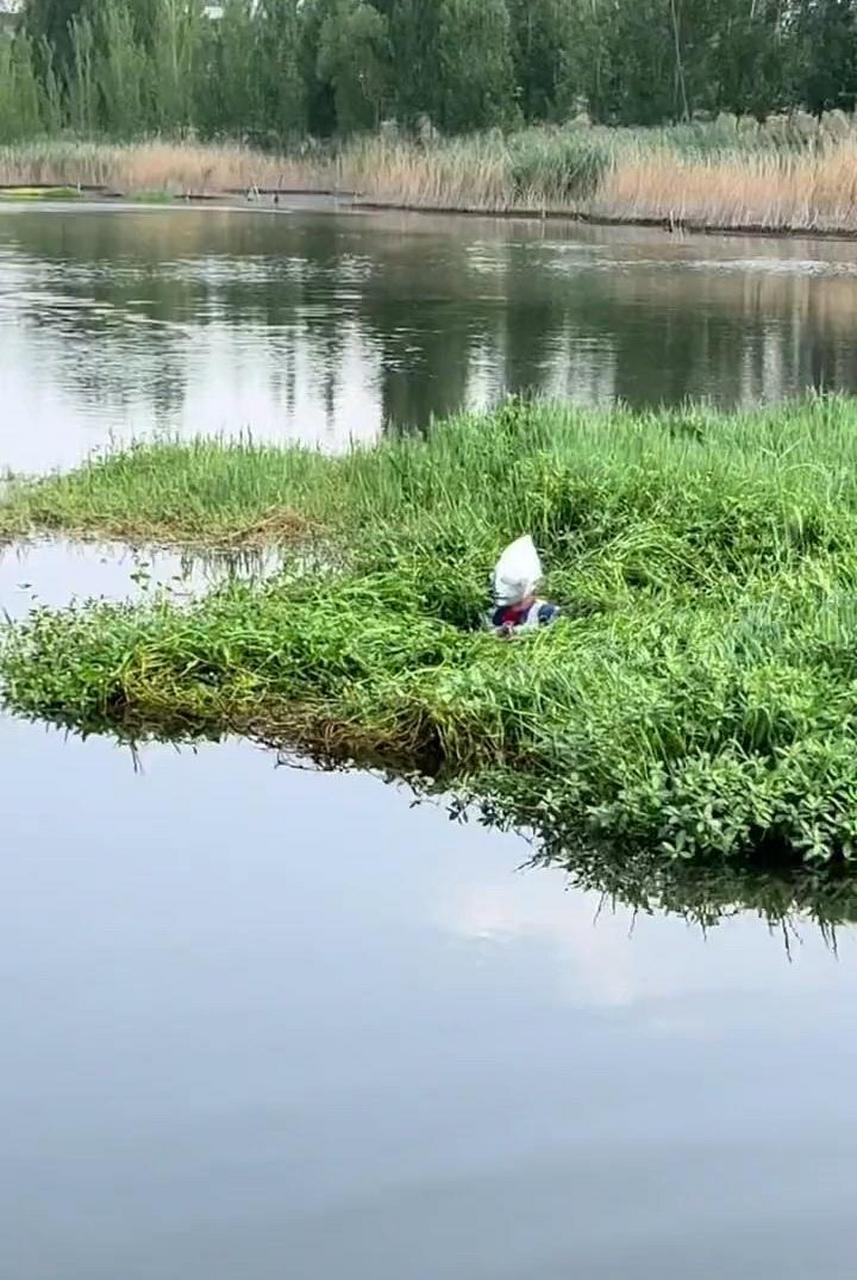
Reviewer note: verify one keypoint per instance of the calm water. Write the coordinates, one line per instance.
(276, 1024)
(325, 326)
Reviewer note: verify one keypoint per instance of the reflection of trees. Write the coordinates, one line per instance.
(737, 335)
(533, 325)
(419, 315)
(430, 313)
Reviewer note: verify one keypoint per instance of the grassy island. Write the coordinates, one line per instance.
(697, 700)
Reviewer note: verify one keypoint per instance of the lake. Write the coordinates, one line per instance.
(267, 1021)
(326, 326)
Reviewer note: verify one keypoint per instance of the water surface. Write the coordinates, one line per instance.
(326, 326)
(268, 1022)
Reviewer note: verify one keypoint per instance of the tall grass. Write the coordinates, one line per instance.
(692, 176)
(563, 471)
(772, 191)
(697, 699)
(154, 165)
(202, 492)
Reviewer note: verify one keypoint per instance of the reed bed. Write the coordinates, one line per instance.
(177, 168)
(773, 191)
(696, 701)
(694, 177)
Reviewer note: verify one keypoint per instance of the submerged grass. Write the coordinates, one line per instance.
(698, 699)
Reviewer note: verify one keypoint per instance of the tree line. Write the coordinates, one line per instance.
(276, 70)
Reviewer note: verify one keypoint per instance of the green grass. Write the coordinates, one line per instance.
(206, 492)
(697, 702)
(153, 197)
(39, 193)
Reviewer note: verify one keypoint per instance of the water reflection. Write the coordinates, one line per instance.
(325, 326)
(269, 1023)
(785, 899)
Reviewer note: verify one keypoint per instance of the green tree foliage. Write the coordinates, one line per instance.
(414, 38)
(176, 40)
(543, 32)
(826, 34)
(477, 84)
(354, 59)
(320, 92)
(24, 107)
(625, 63)
(750, 58)
(120, 71)
(51, 20)
(281, 83)
(273, 70)
(83, 93)
(231, 57)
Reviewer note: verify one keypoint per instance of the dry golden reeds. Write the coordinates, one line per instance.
(776, 191)
(625, 175)
(156, 165)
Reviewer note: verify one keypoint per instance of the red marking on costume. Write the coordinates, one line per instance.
(514, 615)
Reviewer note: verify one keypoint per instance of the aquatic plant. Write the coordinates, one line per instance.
(698, 698)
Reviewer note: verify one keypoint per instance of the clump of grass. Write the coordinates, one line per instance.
(667, 491)
(557, 168)
(216, 493)
(697, 699)
(154, 197)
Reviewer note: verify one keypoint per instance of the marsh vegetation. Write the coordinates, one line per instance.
(697, 698)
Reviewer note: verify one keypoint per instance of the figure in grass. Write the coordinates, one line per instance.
(517, 606)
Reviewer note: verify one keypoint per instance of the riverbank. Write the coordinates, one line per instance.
(706, 177)
(697, 698)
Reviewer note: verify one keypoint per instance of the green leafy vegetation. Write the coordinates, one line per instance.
(153, 197)
(278, 70)
(558, 167)
(720, 115)
(696, 700)
(705, 892)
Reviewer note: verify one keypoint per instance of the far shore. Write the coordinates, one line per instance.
(634, 180)
(324, 199)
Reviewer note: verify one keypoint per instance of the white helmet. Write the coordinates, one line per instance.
(518, 572)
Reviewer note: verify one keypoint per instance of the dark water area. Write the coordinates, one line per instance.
(266, 1021)
(326, 326)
